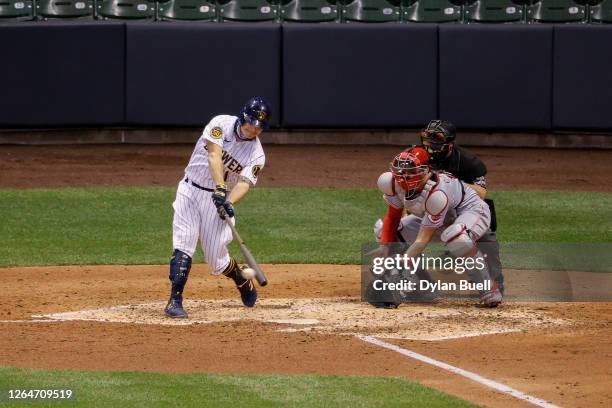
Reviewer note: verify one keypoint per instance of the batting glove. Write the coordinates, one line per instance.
(219, 195)
(225, 210)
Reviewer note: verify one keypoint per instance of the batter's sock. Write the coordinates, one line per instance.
(233, 272)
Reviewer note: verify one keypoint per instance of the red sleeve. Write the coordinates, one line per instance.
(390, 224)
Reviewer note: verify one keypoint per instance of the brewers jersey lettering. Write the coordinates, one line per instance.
(195, 215)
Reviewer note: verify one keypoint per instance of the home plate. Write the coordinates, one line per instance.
(439, 321)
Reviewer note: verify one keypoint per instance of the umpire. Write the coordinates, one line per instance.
(438, 138)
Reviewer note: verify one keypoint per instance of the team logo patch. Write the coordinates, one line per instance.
(216, 133)
(256, 170)
(261, 115)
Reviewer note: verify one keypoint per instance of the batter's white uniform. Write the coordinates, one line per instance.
(455, 203)
(195, 215)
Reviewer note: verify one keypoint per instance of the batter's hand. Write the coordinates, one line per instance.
(219, 195)
(225, 210)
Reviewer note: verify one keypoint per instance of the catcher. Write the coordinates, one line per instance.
(439, 140)
(441, 208)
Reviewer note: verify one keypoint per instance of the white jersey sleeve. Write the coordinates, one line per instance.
(217, 129)
(251, 172)
(394, 201)
(387, 186)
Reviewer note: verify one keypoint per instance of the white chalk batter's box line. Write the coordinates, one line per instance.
(502, 388)
(73, 316)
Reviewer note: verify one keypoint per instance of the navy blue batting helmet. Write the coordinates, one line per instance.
(256, 112)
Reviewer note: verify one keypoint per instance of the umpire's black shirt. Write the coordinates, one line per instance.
(464, 165)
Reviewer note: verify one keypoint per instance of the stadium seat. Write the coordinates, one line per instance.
(187, 10)
(556, 11)
(310, 11)
(432, 11)
(16, 10)
(248, 10)
(371, 11)
(602, 12)
(125, 9)
(46, 9)
(494, 11)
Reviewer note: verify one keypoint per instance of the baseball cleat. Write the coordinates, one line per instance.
(248, 293)
(491, 298)
(174, 308)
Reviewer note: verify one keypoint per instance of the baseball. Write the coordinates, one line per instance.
(247, 272)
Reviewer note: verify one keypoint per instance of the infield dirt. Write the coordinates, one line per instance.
(564, 356)
(289, 166)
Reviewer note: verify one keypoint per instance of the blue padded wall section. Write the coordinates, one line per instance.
(583, 77)
(496, 76)
(62, 74)
(186, 73)
(359, 75)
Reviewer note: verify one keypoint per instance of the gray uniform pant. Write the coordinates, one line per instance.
(487, 243)
(489, 246)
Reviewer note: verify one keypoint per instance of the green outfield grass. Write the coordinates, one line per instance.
(133, 225)
(99, 389)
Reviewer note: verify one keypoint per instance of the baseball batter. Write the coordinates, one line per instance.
(224, 165)
(441, 208)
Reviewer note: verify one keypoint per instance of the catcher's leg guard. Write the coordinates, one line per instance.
(180, 265)
(247, 290)
(489, 246)
(460, 244)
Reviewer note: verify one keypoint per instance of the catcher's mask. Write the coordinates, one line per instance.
(409, 169)
(437, 139)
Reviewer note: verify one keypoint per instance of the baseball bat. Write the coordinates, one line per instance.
(259, 275)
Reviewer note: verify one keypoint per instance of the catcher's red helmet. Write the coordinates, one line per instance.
(410, 167)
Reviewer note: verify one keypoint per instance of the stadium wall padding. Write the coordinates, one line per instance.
(62, 74)
(583, 77)
(496, 76)
(185, 73)
(507, 76)
(353, 75)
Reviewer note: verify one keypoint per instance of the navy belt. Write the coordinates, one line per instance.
(197, 185)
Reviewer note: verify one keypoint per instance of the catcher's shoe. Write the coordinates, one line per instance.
(491, 298)
(248, 293)
(174, 308)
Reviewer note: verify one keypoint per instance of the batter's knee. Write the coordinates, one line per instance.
(180, 265)
(458, 240)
